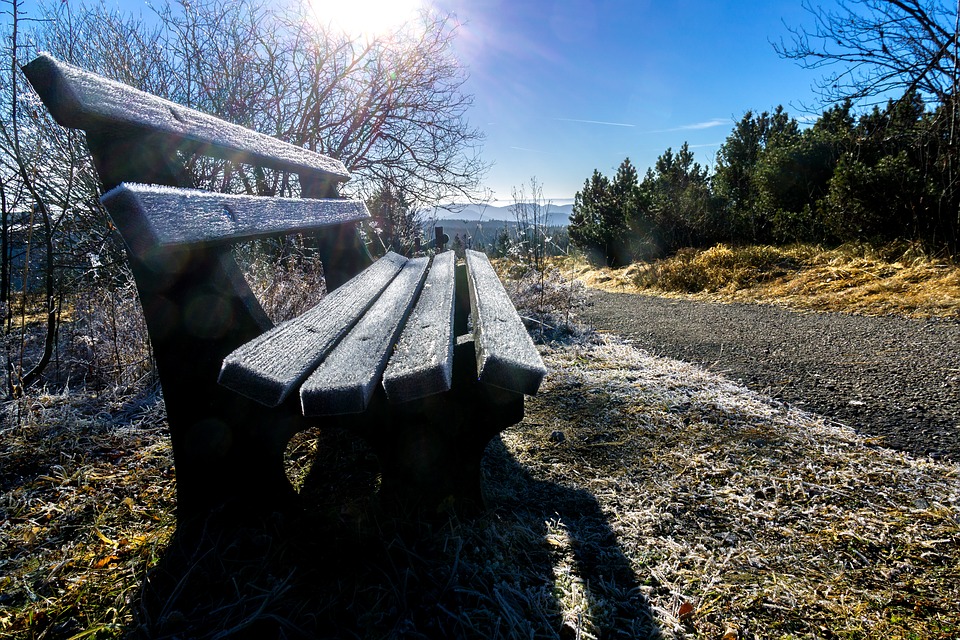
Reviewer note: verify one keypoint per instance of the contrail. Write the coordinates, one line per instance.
(608, 124)
(695, 126)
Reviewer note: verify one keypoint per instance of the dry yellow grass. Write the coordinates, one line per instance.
(856, 279)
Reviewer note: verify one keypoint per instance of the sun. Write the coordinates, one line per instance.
(364, 18)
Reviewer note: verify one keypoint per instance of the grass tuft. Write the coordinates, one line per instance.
(718, 268)
(895, 279)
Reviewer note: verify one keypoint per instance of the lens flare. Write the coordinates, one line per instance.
(364, 18)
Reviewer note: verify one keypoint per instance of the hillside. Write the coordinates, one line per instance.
(556, 215)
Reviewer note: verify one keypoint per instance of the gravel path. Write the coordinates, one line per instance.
(891, 377)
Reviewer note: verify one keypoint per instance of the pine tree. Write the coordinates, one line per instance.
(605, 215)
(395, 222)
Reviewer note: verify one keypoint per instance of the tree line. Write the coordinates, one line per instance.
(880, 164)
(883, 176)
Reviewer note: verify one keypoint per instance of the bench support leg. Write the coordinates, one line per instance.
(430, 450)
(228, 450)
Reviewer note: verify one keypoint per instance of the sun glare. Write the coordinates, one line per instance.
(364, 18)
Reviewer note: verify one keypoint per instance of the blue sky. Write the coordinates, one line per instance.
(563, 87)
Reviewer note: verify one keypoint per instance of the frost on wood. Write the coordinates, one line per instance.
(346, 379)
(167, 216)
(84, 100)
(268, 367)
(506, 356)
(422, 362)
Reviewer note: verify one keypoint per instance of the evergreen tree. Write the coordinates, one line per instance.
(626, 212)
(588, 229)
(605, 216)
(735, 179)
(679, 208)
(396, 224)
(792, 178)
(881, 189)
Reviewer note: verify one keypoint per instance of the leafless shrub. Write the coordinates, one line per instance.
(545, 299)
(109, 345)
(286, 282)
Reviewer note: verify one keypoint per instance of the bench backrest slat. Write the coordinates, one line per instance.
(506, 356)
(270, 366)
(345, 381)
(165, 216)
(84, 100)
(422, 362)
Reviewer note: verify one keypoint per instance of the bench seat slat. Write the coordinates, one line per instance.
(167, 216)
(422, 362)
(506, 356)
(345, 381)
(270, 366)
(84, 100)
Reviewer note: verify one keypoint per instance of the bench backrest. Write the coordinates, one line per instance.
(197, 304)
(110, 111)
(135, 137)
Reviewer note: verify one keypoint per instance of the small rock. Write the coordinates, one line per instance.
(557, 436)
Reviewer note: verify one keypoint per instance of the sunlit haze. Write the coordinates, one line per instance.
(364, 18)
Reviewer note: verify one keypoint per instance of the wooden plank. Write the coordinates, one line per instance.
(83, 100)
(422, 362)
(151, 216)
(345, 381)
(270, 366)
(506, 356)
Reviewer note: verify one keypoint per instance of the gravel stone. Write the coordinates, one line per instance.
(888, 377)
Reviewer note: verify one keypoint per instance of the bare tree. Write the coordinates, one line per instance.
(531, 214)
(871, 49)
(18, 163)
(392, 109)
(54, 231)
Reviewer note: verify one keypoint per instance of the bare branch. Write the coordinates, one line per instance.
(873, 49)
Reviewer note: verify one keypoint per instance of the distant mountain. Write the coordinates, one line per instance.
(557, 215)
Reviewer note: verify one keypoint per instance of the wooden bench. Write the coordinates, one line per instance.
(425, 358)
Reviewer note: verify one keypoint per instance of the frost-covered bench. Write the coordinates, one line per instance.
(387, 352)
